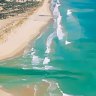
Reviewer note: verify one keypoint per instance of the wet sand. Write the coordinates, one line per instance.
(40, 89)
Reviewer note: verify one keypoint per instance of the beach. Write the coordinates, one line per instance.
(28, 90)
(61, 61)
(20, 36)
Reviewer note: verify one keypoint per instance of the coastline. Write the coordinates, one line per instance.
(20, 36)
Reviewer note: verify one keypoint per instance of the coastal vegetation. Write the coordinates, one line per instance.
(14, 7)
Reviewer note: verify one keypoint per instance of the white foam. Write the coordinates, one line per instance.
(49, 42)
(56, 10)
(53, 86)
(58, 18)
(47, 50)
(67, 42)
(36, 60)
(32, 51)
(69, 12)
(48, 67)
(46, 60)
(64, 94)
(60, 33)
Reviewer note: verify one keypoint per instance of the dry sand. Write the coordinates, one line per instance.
(19, 38)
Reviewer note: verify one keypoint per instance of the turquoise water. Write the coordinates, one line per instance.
(64, 55)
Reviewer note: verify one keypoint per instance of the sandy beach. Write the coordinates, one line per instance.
(28, 90)
(20, 36)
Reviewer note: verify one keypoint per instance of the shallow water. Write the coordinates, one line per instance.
(62, 60)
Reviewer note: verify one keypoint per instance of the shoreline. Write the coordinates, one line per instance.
(30, 29)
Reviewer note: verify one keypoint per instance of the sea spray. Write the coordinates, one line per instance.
(49, 42)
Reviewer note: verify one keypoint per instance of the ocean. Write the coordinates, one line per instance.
(63, 56)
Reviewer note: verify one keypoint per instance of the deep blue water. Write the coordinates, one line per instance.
(65, 53)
